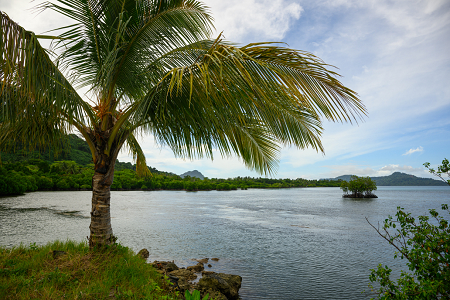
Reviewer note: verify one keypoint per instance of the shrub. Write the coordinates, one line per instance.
(425, 244)
(223, 186)
(426, 247)
(44, 183)
(190, 186)
(12, 183)
(63, 184)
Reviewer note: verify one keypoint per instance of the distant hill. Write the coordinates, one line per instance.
(193, 173)
(400, 179)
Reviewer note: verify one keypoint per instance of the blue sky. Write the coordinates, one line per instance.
(394, 54)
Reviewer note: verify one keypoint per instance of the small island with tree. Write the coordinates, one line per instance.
(359, 187)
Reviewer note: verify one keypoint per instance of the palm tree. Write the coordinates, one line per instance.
(153, 68)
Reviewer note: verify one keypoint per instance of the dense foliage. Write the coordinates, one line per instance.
(359, 187)
(441, 170)
(36, 174)
(73, 148)
(425, 243)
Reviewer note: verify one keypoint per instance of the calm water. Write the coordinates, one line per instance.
(286, 244)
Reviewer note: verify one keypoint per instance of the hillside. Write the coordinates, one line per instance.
(74, 149)
(77, 150)
(400, 179)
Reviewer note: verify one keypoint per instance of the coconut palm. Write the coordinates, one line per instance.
(151, 67)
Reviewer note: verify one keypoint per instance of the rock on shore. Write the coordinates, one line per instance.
(219, 286)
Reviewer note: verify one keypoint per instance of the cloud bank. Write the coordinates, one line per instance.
(241, 20)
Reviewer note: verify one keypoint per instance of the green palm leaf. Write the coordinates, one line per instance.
(38, 102)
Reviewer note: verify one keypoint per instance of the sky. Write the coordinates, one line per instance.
(394, 54)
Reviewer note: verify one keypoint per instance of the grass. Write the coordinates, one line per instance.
(38, 272)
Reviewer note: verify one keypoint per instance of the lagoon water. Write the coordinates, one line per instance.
(304, 243)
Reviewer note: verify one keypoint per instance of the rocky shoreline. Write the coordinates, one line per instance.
(219, 286)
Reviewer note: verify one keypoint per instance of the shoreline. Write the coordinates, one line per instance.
(70, 269)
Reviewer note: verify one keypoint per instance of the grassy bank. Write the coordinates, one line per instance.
(70, 271)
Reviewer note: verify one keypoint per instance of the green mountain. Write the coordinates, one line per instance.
(76, 149)
(400, 179)
(193, 173)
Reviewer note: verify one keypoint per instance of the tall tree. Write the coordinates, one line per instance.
(153, 68)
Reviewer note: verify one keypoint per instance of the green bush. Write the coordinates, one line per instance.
(44, 183)
(425, 244)
(190, 186)
(63, 185)
(12, 183)
(223, 186)
(31, 183)
(116, 185)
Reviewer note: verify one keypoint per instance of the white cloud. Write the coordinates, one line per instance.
(388, 169)
(411, 151)
(350, 169)
(361, 170)
(258, 19)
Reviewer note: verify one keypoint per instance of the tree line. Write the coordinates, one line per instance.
(41, 175)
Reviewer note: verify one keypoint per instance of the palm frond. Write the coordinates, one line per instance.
(36, 99)
(138, 155)
(223, 93)
(112, 41)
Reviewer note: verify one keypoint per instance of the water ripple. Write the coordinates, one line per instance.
(286, 244)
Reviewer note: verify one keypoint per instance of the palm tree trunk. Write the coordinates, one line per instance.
(101, 230)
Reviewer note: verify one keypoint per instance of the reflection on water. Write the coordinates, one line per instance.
(286, 244)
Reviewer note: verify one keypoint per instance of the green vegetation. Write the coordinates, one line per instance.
(72, 148)
(195, 295)
(360, 187)
(40, 175)
(425, 243)
(153, 67)
(441, 170)
(75, 150)
(71, 271)
(20, 173)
